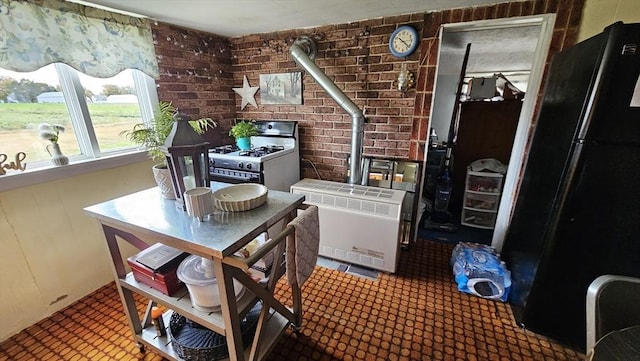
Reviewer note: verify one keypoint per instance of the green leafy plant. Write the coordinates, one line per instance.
(243, 129)
(50, 132)
(153, 135)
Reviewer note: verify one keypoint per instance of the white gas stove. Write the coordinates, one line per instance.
(273, 160)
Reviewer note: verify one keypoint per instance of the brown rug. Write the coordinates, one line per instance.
(416, 314)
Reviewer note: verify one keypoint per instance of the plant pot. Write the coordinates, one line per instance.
(244, 143)
(162, 175)
(57, 158)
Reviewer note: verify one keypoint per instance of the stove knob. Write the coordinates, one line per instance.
(240, 165)
(249, 166)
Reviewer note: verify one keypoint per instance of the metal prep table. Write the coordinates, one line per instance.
(145, 218)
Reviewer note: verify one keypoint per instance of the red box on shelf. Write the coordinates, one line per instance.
(156, 267)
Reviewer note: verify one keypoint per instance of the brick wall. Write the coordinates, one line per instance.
(196, 75)
(354, 55)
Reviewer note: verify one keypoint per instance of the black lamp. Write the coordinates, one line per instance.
(187, 157)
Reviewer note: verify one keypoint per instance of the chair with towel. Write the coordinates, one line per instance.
(300, 242)
(302, 254)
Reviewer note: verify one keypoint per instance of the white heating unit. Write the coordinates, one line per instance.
(358, 224)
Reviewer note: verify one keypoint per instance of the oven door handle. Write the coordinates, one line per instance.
(242, 178)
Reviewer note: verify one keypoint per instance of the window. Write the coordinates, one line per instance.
(93, 111)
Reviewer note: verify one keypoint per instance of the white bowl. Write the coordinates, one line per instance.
(240, 197)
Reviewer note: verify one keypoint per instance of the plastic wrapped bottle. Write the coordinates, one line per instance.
(478, 270)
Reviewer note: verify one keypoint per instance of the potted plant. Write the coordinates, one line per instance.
(153, 135)
(51, 132)
(242, 131)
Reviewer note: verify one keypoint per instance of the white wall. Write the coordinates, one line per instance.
(52, 253)
(598, 14)
(444, 98)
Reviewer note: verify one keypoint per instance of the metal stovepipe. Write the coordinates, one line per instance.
(303, 50)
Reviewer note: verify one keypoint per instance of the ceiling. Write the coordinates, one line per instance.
(508, 50)
(234, 18)
(495, 50)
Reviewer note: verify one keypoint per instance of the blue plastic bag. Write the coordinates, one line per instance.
(477, 270)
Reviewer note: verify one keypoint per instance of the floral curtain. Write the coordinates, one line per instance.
(99, 43)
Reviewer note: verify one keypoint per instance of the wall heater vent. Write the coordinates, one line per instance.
(358, 224)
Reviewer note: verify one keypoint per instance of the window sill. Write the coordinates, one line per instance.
(74, 168)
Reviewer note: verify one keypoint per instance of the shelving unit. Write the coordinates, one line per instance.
(481, 199)
(144, 218)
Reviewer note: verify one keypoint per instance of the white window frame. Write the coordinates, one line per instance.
(91, 158)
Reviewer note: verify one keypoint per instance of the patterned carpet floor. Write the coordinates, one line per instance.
(415, 314)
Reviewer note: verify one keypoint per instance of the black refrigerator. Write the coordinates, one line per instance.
(577, 213)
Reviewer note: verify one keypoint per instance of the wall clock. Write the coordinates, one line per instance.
(403, 41)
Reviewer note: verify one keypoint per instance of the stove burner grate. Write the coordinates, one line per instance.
(224, 149)
(261, 151)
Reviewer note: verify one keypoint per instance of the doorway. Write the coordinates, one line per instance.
(514, 47)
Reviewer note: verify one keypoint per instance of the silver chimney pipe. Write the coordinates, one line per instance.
(303, 51)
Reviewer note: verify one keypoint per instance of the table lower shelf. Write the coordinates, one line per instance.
(273, 329)
(181, 303)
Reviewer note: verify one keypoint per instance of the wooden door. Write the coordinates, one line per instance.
(485, 130)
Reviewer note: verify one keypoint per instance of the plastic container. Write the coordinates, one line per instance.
(485, 202)
(480, 219)
(484, 182)
(197, 273)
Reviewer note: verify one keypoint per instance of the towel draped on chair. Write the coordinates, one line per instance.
(302, 250)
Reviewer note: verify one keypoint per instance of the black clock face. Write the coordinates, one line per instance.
(403, 41)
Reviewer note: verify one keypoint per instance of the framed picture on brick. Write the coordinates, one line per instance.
(281, 88)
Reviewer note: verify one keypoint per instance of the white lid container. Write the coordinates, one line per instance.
(198, 274)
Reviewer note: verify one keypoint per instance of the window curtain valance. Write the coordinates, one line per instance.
(96, 42)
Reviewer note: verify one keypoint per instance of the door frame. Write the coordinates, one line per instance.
(524, 130)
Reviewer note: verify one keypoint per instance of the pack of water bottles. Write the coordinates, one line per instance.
(478, 270)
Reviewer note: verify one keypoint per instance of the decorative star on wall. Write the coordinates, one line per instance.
(247, 93)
